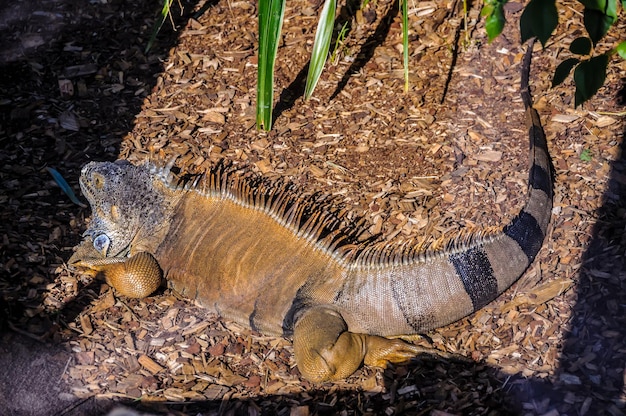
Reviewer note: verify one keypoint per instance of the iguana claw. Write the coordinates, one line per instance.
(382, 351)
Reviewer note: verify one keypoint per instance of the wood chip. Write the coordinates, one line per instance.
(149, 364)
(565, 118)
(489, 156)
(605, 121)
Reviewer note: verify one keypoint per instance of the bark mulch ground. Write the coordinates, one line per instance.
(449, 157)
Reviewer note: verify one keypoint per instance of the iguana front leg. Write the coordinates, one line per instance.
(135, 277)
(325, 349)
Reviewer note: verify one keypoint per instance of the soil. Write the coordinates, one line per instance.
(444, 159)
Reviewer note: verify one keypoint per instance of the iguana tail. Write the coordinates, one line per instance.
(414, 293)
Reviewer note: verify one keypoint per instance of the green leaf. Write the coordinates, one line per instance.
(621, 49)
(271, 14)
(597, 24)
(341, 37)
(589, 76)
(580, 46)
(494, 23)
(405, 43)
(611, 9)
(606, 7)
(563, 70)
(525, 26)
(321, 45)
(594, 4)
(586, 155)
(488, 9)
(540, 18)
(165, 11)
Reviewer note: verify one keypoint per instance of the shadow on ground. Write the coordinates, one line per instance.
(74, 77)
(592, 368)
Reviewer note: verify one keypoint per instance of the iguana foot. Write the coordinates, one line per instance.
(135, 277)
(325, 349)
(382, 351)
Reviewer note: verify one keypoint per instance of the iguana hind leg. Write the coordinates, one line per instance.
(325, 349)
(135, 277)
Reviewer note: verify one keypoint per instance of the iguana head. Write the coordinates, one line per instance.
(126, 205)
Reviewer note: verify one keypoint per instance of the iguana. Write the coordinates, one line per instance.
(261, 255)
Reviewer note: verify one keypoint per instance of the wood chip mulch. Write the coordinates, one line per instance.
(449, 157)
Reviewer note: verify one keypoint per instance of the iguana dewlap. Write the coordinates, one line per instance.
(284, 265)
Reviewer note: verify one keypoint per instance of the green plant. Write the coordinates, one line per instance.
(321, 46)
(586, 155)
(270, 23)
(165, 12)
(466, 40)
(341, 37)
(540, 18)
(323, 35)
(271, 14)
(405, 42)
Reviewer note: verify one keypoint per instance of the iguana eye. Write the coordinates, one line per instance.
(98, 181)
(101, 243)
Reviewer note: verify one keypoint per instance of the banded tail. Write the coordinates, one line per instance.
(416, 293)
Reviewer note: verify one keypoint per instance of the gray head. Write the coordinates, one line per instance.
(125, 205)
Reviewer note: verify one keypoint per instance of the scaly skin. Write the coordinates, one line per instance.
(270, 260)
(136, 277)
(324, 348)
